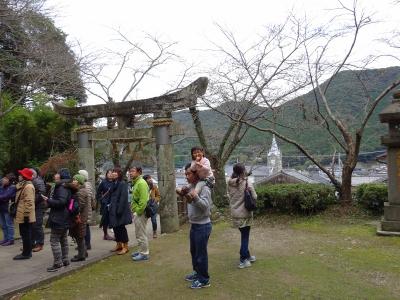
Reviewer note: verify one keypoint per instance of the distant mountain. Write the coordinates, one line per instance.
(346, 96)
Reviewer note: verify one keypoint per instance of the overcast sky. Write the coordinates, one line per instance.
(192, 23)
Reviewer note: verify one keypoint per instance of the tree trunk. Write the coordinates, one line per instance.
(345, 191)
(220, 192)
(115, 154)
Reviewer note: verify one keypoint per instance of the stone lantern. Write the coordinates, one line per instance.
(390, 225)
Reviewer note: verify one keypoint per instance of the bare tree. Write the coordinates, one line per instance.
(345, 130)
(130, 66)
(245, 85)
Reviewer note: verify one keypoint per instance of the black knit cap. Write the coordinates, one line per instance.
(64, 173)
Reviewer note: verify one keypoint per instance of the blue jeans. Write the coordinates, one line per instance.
(199, 235)
(244, 243)
(154, 222)
(7, 224)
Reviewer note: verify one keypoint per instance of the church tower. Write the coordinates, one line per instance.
(274, 158)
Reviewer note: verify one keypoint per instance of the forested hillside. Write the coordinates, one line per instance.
(346, 96)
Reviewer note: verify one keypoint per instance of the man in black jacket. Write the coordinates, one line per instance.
(59, 220)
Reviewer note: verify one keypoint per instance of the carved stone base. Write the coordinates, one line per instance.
(391, 220)
(391, 226)
(379, 231)
(391, 212)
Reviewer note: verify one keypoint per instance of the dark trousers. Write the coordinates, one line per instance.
(87, 236)
(244, 243)
(199, 235)
(154, 222)
(81, 247)
(120, 233)
(37, 229)
(25, 229)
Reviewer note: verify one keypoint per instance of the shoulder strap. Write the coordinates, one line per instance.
(105, 194)
(19, 196)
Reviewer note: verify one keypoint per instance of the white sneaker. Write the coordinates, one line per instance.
(252, 259)
(244, 264)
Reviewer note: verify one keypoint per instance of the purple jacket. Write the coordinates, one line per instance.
(6, 194)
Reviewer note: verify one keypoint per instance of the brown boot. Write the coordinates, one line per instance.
(154, 234)
(118, 247)
(37, 248)
(124, 249)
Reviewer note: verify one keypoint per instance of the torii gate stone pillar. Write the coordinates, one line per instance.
(166, 172)
(86, 150)
(86, 154)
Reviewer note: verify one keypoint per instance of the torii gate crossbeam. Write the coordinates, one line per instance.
(161, 107)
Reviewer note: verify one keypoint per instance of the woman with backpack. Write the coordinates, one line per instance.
(153, 201)
(241, 217)
(77, 228)
(119, 212)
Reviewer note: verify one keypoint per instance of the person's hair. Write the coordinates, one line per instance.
(48, 177)
(137, 168)
(108, 171)
(239, 171)
(196, 148)
(37, 171)
(118, 170)
(11, 178)
(188, 167)
(150, 184)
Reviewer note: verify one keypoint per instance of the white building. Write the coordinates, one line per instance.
(274, 158)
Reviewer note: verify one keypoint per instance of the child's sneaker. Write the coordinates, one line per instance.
(140, 257)
(252, 258)
(196, 284)
(191, 277)
(135, 254)
(244, 264)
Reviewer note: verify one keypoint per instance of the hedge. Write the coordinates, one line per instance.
(295, 198)
(372, 196)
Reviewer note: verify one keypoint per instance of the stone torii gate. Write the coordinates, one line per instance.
(161, 107)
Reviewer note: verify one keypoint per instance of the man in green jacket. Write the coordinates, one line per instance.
(140, 196)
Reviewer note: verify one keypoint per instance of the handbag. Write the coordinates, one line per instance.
(249, 201)
(12, 209)
(151, 208)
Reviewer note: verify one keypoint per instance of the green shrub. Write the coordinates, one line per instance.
(295, 198)
(372, 196)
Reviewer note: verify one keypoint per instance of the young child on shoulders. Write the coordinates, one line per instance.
(201, 165)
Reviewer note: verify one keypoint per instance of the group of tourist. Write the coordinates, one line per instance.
(26, 201)
(117, 211)
(72, 199)
(29, 214)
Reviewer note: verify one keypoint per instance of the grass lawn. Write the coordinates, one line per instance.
(321, 257)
